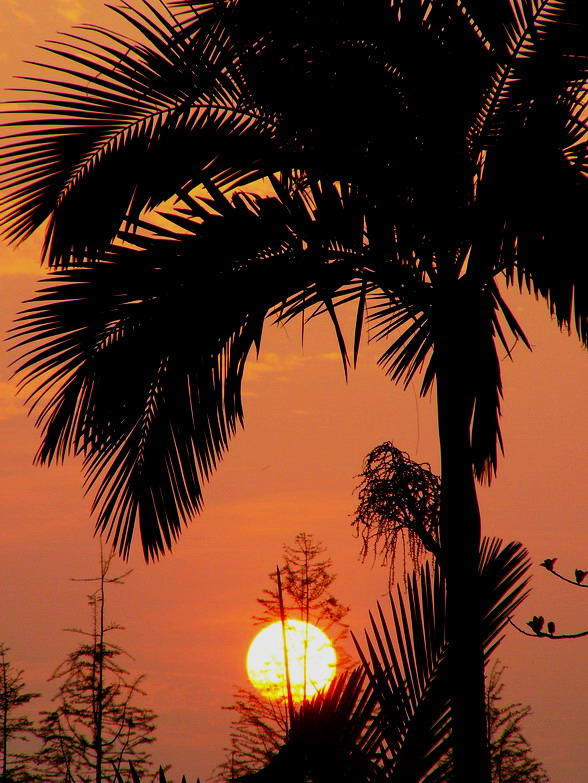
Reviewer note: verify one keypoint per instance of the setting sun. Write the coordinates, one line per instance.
(265, 660)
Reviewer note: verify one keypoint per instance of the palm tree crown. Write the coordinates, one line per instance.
(413, 153)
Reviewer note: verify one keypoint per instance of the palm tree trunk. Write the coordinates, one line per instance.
(460, 531)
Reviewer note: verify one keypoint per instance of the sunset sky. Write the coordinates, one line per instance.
(293, 468)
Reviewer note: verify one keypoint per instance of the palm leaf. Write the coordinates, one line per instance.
(391, 721)
(524, 32)
(335, 732)
(410, 208)
(409, 307)
(331, 738)
(136, 362)
(535, 112)
(110, 102)
(405, 658)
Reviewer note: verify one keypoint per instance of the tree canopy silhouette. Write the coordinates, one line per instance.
(95, 726)
(260, 724)
(15, 762)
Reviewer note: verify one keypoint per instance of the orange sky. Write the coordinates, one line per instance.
(292, 469)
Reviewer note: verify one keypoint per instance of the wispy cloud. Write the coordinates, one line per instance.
(280, 365)
(72, 10)
(10, 406)
(15, 8)
(23, 260)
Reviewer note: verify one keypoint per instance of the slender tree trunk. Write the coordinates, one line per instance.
(460, 531)
(285, 643)
(4, 715)
(306, 619)
(100, 710)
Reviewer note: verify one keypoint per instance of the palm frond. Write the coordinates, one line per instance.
(549, 224)
(335, 732)
(534, 172)
(331, 738)
(489, 21)
(409, 308)
(136, 362)
(413, 719)
(390, 720)
(524, 34)
(405, 658)
(478, 152)
(147, 397)
(109, 101)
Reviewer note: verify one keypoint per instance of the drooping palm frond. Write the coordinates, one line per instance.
(531, 139)
(524, 31)
(410, 184)
(111, 102)
(417, 311)
(137, 362)
(405, 658)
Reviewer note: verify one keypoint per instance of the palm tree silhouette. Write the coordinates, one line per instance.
(415, 154)
(389, 719)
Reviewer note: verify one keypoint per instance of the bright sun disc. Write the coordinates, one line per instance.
(265, 660)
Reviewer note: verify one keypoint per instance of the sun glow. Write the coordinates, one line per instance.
(309, 651)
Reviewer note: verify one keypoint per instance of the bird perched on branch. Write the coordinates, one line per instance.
(536, 624)
(548, 563)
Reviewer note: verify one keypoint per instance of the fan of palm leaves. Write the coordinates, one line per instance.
(390, 720)
(329, 738)
(406, 183)
(407, 664)
(137, 362)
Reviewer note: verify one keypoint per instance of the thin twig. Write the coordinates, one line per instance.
(548, 635)
(565, 579)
